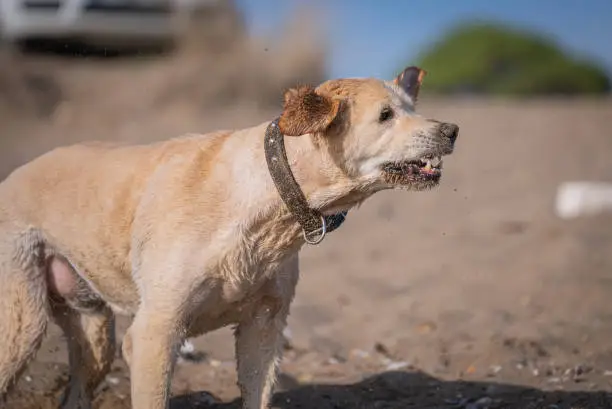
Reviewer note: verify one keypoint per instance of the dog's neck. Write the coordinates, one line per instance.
(315, 225)
(268, 222)
(325, 185)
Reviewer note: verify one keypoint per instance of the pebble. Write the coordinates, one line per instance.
(304, 378)
(394, 366)
(188, 353)
(112, 380)
(187, 348)
(459, 402)
(382, 349)
(359, 353)
(495, 369)
(580, 370)
(482, 403)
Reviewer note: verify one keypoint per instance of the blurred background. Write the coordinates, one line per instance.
(492, 291)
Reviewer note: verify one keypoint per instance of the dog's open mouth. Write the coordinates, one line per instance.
(426, 171)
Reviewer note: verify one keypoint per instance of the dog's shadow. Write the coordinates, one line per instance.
(405, 390)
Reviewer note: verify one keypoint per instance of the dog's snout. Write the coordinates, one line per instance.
(449, 131)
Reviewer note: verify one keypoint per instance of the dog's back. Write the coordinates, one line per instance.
(83, 199)
(80, 200)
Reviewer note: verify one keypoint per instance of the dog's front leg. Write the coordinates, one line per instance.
(259, 338)
(258, 348)
(154, 337)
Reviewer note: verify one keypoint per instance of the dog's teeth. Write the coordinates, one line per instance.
(428, 165)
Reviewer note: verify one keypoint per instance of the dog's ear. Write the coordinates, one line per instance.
(307, 111)
(410, 81)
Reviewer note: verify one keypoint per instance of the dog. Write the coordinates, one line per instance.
(197, 232)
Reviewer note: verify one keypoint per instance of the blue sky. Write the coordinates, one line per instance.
(376, 37)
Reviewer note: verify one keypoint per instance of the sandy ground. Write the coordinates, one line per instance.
(471, 296)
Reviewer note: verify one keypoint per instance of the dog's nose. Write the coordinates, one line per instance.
(449, 131)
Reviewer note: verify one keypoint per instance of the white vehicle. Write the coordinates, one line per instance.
(101, 22)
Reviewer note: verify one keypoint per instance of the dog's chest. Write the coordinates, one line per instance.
(225, 306)
(232, 301)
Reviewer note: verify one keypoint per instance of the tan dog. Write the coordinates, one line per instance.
(192, 234)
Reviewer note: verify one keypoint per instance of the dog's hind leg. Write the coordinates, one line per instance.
(91, 351)
(89, 327)
(24, 306)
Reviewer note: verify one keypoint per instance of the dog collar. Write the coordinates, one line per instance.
(314, 224)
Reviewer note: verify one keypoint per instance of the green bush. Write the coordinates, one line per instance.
(496, 60)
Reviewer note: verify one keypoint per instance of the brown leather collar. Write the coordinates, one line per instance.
(314, 224)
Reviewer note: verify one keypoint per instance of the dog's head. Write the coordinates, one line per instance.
(371, 129)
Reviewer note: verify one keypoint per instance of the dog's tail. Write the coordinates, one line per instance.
(24, 306)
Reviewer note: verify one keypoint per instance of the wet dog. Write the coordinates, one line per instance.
(198, 232)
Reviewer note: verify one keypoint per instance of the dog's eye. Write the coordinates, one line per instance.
(385, 114)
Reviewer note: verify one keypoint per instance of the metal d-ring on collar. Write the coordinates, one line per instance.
(314, 224)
